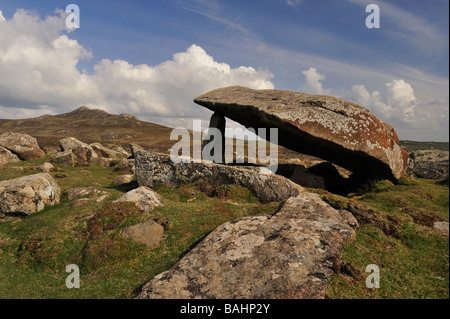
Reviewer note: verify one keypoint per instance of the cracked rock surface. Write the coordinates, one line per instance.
(287, 255)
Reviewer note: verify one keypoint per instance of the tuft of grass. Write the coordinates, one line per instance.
(413, 259)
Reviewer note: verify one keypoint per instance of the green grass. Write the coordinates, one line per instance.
(413, 259)
(35, 251)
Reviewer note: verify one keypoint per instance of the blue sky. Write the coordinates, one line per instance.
(152, 58)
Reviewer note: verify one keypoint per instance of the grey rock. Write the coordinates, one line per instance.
(148, 233)
(27, 195)
(102, 151)
(7, 157)
(64, 158)
(429, 164)
(122, 179)
(287, 255)
(154, 169)
(144, 198)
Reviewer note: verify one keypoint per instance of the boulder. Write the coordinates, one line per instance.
(120, 149)
(287, 255)
(84, 153)
(144, 198)
(78, 192)
(23, 145)
(122, 179)
(64, 158)
(127, 165)
(27, 195)
(106, 152)
(148, 233)
(330, 128)
(46, 168)
(154, 169)
(429, 164)
(7, 157)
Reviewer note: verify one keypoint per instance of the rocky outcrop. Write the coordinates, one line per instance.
(27, 195)
(145, 198)
(23, 145)
(154, 169)
(148, 233)
(287, 255)
(7, 157)
(64, 158)
(84, 153)
(330, 128)
(429, 164)
(106, 152)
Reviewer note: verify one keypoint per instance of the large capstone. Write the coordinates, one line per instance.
(333, 129)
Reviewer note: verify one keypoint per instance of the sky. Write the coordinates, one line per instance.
(152, 58)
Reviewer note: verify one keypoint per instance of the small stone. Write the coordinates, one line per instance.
(148, 233)
(122, 179)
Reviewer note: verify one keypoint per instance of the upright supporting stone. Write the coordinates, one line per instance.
(215, 141)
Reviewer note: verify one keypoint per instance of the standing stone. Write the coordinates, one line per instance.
(217, 143)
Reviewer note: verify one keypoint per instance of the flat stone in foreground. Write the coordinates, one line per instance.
(287, 255)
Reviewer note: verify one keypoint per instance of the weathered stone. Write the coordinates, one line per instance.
(336, 130)
(74, 193)
(84, 153)
(430, 164)
(105, 162)
(134, 148)
(46, 168)
(7, 157)
(23, 145)
(148, 233)
(106, 152)
(27, 195)
(122, 179)
(126, 164)
(289, 254)
(154, 169)
(144, 198)
(212, 143)
(64, 158)
(120, 149)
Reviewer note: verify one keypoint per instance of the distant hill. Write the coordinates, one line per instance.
(94, 125)
(91, 125)
(411, 146)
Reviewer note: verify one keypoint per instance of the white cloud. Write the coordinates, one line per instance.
(2, 18)
(313, 83)
(398, 104)
(38, 64)
(294, 3)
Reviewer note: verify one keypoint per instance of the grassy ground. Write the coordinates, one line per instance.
(399, 237)
(395, 233)
(35, 251)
